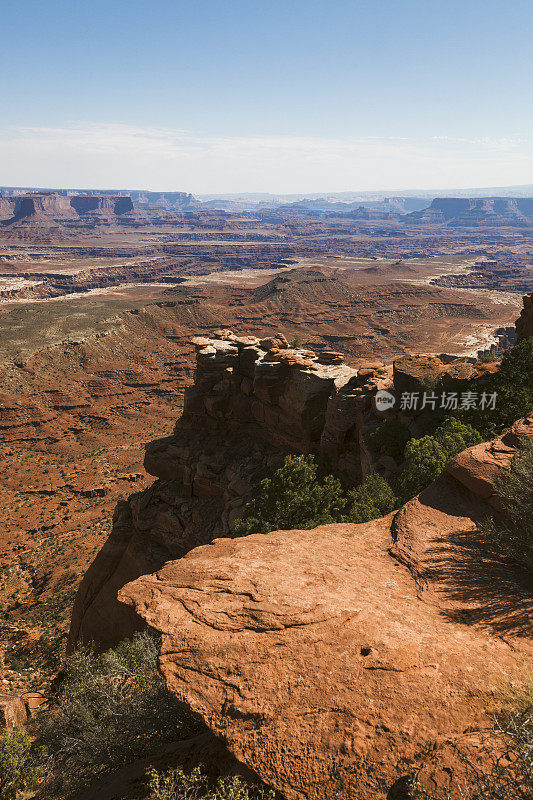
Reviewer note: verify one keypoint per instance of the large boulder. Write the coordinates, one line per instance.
(479, 467)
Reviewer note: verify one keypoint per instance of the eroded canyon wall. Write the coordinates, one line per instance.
(252, 403)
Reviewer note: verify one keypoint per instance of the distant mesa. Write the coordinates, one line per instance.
(367, 209)
(54, 206)
(19, 205)
(30, 205)
(171, 201)
(101, 203)
(476, 211)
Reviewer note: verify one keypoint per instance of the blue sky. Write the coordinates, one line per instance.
(214, 96)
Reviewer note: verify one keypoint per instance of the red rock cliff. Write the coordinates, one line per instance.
(322, 658)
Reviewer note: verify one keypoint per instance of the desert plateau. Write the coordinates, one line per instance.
(266, 400)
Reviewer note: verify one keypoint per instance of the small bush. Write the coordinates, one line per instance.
(297, 496)
(425, 458)
(110, 709)
(513, 385)
(17, 770)
(178, 785)
(512, 531)
(390, 438)
(374, 498)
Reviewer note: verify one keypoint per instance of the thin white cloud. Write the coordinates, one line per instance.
(116, 155)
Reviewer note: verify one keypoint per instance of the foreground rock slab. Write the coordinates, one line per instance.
(315, 656)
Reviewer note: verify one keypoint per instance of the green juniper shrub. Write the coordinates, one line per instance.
(426, 457)
(195, 785)
(293, 497)
(513, 384)
(17, 768)
(390, 438)
(512, 531)
(109, 709)
(299, 495)
(374, 498)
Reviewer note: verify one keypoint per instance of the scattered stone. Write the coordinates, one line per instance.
(330, 357)
(13, 712)
(274, 342)
(246, 341)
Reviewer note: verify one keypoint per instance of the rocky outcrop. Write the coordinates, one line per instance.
(252, 403)
(325, 658)
(524, 324)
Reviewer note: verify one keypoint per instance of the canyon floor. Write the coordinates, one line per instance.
(95, 329)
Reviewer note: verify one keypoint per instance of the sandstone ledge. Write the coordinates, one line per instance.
(311, 654)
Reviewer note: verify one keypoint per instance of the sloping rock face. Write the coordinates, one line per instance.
(324, 658)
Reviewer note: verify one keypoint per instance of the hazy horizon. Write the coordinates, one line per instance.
(517, 190)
